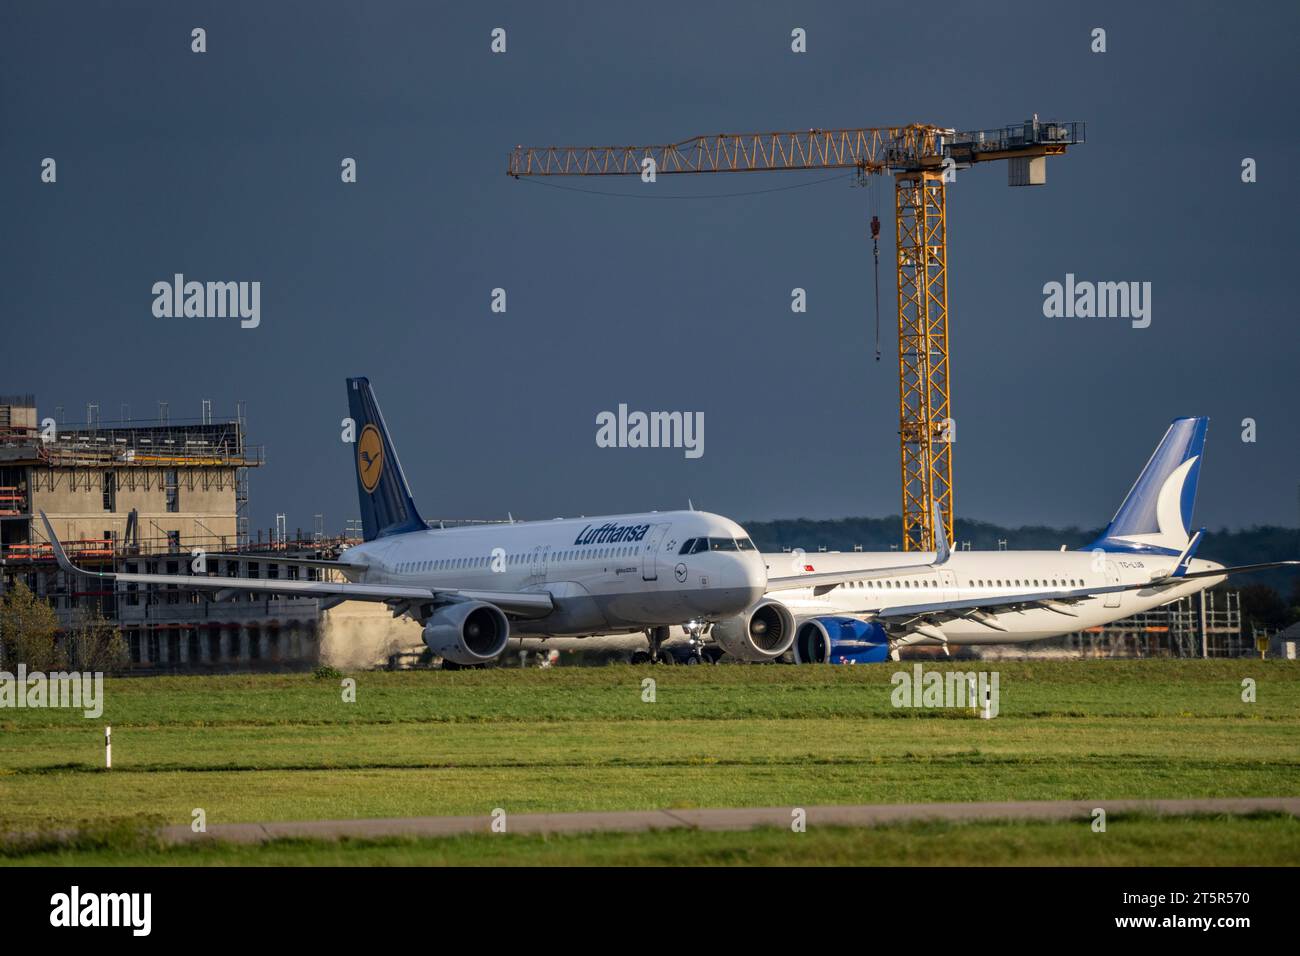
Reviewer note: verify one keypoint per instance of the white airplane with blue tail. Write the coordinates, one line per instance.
(1145, 558)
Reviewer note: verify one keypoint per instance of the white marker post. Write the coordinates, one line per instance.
(987, 712)
(108, 747)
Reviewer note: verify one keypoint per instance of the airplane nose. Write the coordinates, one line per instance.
(735, 582)
(755, 576)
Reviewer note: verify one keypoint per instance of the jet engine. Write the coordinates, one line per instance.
(840, 640)
(468, 632)
(762, 633)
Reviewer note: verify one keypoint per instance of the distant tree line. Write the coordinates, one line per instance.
(30, 634)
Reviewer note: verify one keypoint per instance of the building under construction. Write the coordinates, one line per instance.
(137, 496)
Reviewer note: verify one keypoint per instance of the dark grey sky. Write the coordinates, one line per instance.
(225, 166)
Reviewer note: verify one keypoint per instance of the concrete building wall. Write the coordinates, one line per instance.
(18, 417)
(74, 499)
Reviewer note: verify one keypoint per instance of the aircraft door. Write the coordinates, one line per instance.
(650, 552)
(1112, 577)
(537, 573)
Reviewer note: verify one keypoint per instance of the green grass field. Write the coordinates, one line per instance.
(259, 748)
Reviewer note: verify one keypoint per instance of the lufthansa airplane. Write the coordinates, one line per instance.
(1142, 560)
(472, 586)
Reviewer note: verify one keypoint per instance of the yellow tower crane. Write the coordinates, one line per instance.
(922, 159)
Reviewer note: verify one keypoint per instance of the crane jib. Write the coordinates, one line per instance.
(923, 158)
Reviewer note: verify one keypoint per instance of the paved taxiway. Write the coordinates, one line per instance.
(724, 819)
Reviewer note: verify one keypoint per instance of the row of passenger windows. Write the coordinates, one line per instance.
(700, 545)
(513, 560)
(999, 583)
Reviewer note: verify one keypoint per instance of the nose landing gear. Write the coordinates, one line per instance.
(700, 653)
(697, 651)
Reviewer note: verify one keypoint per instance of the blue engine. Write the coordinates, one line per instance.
(840, 640)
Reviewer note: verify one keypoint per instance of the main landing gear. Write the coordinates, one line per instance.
(657, 654)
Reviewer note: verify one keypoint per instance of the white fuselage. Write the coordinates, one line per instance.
(982, 574)
(604, 575)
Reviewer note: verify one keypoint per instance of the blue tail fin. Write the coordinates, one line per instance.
(1156, 517)
(386, 504)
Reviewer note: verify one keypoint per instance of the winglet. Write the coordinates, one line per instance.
(942, 550)
(59, 554)
(1185, 559)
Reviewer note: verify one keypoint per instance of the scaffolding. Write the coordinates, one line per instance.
(1207, 624)
(134, 445)
(241, 474)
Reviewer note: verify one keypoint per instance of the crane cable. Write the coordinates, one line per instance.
(875, 253)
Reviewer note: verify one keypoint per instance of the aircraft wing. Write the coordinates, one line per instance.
(519, 603)
(821, 582)
(1239, 569)
(1059, 600)
(829, 580)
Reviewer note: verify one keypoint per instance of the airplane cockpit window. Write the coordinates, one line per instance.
(722, 544)
(687, 545)
(745, 544)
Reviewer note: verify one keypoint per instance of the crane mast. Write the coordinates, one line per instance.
(923, 159)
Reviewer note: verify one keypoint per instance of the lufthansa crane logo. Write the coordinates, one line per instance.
(370, 458)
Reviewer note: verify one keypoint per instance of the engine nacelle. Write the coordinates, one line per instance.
(840, 640)
(762, 633)
(468, 632)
